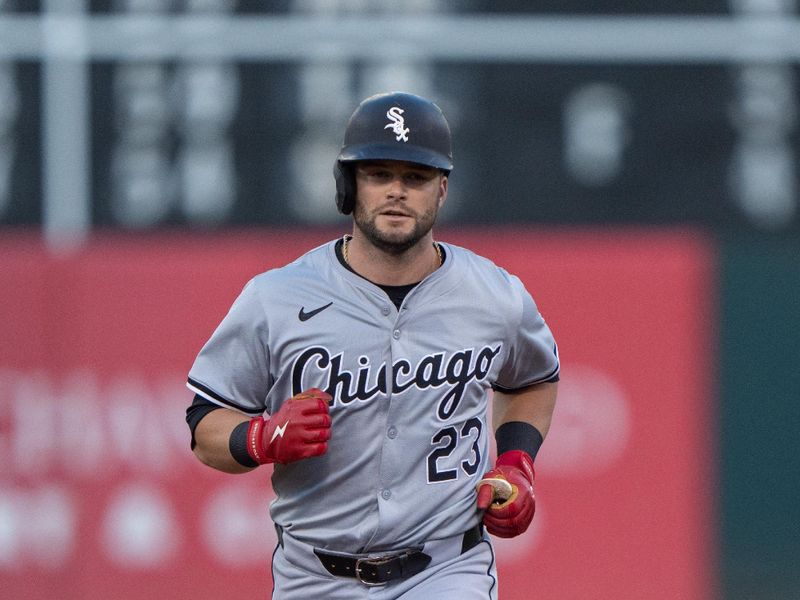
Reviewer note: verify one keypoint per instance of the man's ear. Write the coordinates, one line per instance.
(443, 191)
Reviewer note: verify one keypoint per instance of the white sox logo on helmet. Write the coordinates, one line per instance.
(398, 123)
(431, 371)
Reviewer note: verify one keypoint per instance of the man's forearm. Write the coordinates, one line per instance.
(212, 437)
(533, 405)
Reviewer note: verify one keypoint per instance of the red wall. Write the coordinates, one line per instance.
(100, 496)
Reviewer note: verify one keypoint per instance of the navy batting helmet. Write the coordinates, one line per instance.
(391, 126)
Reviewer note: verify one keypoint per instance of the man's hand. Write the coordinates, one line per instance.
(300, 429)
(509, 503)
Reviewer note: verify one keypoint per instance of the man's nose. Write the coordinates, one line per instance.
(397, 188)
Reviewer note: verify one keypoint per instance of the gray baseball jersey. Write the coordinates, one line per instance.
(410, 388)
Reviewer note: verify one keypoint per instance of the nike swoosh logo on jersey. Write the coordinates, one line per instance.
(279, 431)
(305, 316)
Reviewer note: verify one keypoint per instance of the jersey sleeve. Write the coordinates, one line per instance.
(232, 368)
(533, 354)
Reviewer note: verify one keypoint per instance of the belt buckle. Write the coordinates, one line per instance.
(375, 561)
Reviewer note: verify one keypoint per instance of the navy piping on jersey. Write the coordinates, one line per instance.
(554, 378)
(396, 293)
(489, 568)
(211, 394)
(272, 568)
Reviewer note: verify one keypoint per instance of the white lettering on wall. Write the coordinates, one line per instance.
(125, 438)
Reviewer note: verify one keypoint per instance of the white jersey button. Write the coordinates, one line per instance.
(392, 433)
(386, 494)
(385, 310)
(396, 334)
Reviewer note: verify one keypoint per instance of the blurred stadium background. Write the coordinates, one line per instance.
(636, 164)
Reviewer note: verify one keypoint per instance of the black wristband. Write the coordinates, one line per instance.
(237, 444)
(518, 435)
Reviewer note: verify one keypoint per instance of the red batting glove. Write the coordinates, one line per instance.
(508, 517)
(300, 429)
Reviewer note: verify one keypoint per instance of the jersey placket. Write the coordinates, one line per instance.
(394, 466)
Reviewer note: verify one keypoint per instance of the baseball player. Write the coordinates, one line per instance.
(363, 371)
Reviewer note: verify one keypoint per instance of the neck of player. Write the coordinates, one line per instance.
(386, 268)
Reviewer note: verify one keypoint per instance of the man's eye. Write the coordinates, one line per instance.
(417, 177)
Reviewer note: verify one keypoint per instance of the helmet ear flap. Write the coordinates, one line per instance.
(345, 187)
